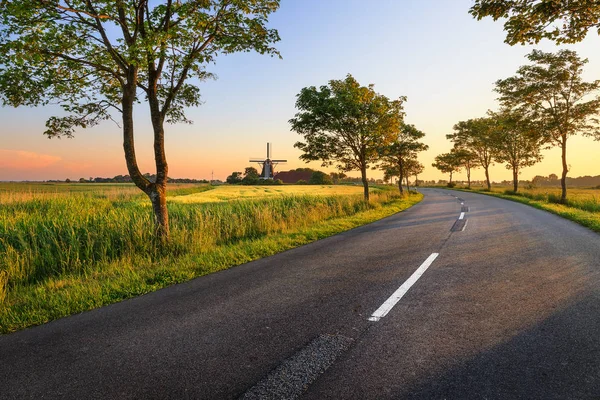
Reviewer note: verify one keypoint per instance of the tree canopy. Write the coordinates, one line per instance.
(529, 21)
(518, 142)
(476, 137)
(403, 150)
(448, 163)
(344, 123)
(96, 59)
(551, 92)
(467, 160)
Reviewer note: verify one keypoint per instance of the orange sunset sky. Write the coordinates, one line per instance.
(432, 51)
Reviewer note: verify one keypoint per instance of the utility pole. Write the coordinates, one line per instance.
(212, 177)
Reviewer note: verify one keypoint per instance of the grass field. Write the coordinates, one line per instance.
(227, 193)
(65, 249)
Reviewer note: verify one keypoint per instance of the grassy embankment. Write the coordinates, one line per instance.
(582, 206)
(65, 249)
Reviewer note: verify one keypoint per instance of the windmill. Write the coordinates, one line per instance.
(267, 164)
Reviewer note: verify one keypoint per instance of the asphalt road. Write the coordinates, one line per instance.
(509, 309)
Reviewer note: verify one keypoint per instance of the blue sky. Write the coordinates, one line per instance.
(432, 51)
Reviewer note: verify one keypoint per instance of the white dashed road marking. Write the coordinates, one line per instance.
(401, 291)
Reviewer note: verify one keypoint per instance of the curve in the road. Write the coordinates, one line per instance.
(506, 310)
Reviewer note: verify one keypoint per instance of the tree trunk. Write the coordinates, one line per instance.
(416, 180)
(487, 177)
(158, 197)
(400, 179)
(407, 185)
(153, 190)
(158, 193)
(469, 177)
(365, 182)
(563, 179)
(515, 179)
(450, 178)
(400, 176)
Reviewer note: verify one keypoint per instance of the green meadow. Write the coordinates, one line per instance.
(68, 248)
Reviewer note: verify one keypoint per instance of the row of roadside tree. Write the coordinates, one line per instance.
(541, 106)
(356, 129)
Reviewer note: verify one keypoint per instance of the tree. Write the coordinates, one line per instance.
(529, 21)
(396, 154)
(416, 170)
(475, 136)
(235, 177)
(468, 160)
(389, 173)
(447, 163)
(412, 167)
(336, 177)
(250, 176)
(99, 58)
(518, 143)
(320, 178)
(551, 92)
(344, 123)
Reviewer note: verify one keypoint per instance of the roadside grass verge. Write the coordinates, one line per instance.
(62, 256)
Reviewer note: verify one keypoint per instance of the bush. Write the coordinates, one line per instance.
(553, 198)
(320, 178)
(451, 185)
(301, 182)
(250, 180)
(277, 182)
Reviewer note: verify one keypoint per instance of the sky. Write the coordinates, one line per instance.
(431, 51)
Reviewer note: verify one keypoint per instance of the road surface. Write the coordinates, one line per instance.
(463, 296)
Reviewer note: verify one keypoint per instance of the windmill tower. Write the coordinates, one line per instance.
(267, 164)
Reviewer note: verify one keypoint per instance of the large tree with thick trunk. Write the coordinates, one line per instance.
(344, 124)
(97, 59)
(551, 92)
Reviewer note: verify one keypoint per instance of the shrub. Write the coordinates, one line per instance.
(553, 198)
(320, 178)
(301, 182)
(451, 184)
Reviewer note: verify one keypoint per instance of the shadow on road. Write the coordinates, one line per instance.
(556, 359)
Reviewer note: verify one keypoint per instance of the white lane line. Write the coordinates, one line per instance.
(401, 291)
(462, 215)
(462, 204)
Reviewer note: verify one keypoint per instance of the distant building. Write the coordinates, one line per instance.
(294, 176)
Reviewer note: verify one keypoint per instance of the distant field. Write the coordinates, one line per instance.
(67, 248)
(227, 193)
(575, 194)
(25, 191)
(587, 199)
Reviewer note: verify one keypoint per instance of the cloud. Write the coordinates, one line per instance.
(26, 160)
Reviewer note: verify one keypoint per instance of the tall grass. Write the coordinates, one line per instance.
(49, 243)
(582, 199)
